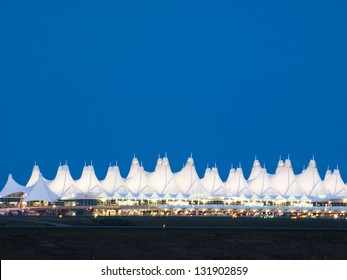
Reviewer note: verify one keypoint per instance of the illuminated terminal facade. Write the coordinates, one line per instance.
(163, 192)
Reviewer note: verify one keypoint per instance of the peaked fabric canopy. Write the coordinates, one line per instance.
(159, 163)
(237, 185)
(89, 183)
(63, 185)
(262, 185)
(113, 184)
(35, 174)
(133, 168)
(189, 180)
(40, 192)
(163, 180)
(139, 184)
(285, 182)
(231, 173)
(213, 183)
(256, 170)
(279, 166)
(12, 187)
(207, 171)
(311, 182)
(334, 184)
(327, 174)
(163, 184)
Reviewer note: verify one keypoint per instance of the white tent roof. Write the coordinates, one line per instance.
(327, 174)
(311, 182)
(207, 171)
(163, 180)
(268, 197)
(134, 167)
(123, 194)
(35, 174)
(189, 180)
(12, 187)
(139, 184)
(244, 197)
(163, 184)
(305, 198)
(280, 198)
(213, 184)
(285, 182)
(293, 198)
(114, 184)
(63, 185)
(231, 173)
(159, 163)
(279, 166)
(255, 197)
(256, 169)
(89, 183)
(262, 185)
(59, 171)
(238, 185)
(40, 191)
(334, 184)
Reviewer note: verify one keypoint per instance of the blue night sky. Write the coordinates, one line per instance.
(100, 80)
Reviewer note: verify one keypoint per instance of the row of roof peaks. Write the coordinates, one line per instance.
(162, 183)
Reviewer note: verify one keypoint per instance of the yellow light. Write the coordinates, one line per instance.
(293, 217)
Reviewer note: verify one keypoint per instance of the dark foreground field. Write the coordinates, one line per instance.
(182, 238)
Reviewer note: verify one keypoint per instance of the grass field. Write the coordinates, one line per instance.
(126, 238)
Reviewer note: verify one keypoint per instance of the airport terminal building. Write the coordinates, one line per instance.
(163, 192)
